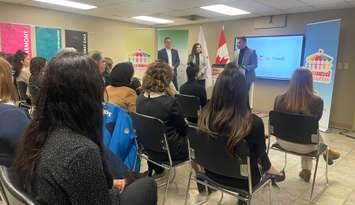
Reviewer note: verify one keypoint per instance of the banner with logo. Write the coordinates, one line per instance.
(14, 37)
(77, 40)
(48, 42)
(140, 59)
(180, 43)
(321, 52)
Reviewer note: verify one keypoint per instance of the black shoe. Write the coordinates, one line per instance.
(278, 178)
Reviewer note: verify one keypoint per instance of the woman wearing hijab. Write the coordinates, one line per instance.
(119, 92)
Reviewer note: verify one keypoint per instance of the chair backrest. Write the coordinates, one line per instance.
(210, 152)
(150, 132)
(189, 104)
(296, 128)
(12, 189)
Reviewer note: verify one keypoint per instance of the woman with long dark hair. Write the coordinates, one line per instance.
(197, 59)
(301, 98)
(61, 156)
(120, 91)
(37, 65)
(20, 65)
(227, 114)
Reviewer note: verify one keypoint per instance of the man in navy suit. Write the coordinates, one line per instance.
(170, 56)
(247, 60)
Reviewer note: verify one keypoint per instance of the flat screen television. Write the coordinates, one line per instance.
(278, 56)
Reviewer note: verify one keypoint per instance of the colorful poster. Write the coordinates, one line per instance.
(321, 52)
(180, 43)
(48, 42)
(77, 40)
(15, 37)
(140, 59)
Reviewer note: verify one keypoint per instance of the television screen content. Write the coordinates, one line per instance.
(278, 56)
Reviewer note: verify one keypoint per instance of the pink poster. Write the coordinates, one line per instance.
(14, 37)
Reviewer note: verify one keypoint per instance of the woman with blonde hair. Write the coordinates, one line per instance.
(13, 120)
(301, 98)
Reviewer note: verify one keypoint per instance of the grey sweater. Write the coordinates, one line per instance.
(70, 171)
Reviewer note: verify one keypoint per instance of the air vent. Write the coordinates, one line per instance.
(193, 17)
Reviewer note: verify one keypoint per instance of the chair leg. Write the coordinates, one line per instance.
(268, 145)
(314, 178)
(167, 186)
(327, 166)
(188, 187)
(285, 163)
(270, 192)
(221, 199)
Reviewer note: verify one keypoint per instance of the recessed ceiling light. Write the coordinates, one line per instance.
(224, 9)
(153, 19)
(67, 3)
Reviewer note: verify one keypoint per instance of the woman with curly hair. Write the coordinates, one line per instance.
(156, 101)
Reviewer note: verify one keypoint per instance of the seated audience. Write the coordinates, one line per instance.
(136, 85)
(13, 121)
(61, 158)
(36, 68)
(301, 98)
(228, 114)
(193, 86)
(21, 63)
(155, 101)
(120, 92)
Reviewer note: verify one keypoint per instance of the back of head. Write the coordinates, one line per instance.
(300, 91)
(191, 72)
(121, 74)
(232, 66)
(228, 111)
(37, 64)
(17, 62)
(7, 88)
(157, 78)
(71, 97)
(136, 83)
(96, 56)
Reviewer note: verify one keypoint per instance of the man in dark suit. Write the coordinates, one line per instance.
(247, 60)
(170, 56)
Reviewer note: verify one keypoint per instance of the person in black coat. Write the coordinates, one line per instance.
(192, 86)
(61, 158)
(156, 102)
(227, 114)
(170, 56)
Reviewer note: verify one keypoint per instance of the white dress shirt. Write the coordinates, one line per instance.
(170, 57)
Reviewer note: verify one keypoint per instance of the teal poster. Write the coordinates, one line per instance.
(48, 42)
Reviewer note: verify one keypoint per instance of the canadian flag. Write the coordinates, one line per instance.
(222, 51)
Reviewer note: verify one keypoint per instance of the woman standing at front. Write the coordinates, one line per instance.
(197, 58)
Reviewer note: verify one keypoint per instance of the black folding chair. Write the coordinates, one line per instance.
(190, 106)
(300, 129)
(151, 136)
(11, 188)
(210, 152)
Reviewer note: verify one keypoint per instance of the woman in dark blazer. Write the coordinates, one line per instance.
(61, 158)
